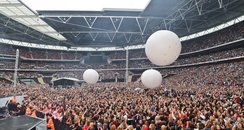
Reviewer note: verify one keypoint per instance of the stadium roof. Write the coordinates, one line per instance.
(116, 27)
(87, 5)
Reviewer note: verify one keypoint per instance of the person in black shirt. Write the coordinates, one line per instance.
(12, 108)
(21, 109)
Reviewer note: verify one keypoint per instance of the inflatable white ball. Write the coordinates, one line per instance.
(163, 47)
(151, 78)
(91, 76)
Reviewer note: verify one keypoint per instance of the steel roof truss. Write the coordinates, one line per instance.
(199, 6)
(127, 38)
(111, 38)
(75, 34)
(93, 36)
(188, 27)
(142, 29)
(114, 20)
(64, 20)
(220, 3)
(92, 21)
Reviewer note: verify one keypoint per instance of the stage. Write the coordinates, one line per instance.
(22, 123)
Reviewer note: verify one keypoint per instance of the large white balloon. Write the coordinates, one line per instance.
(163, 47)
(151, 78)
(91, 76)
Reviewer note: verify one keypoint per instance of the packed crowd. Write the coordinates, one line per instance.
(121, 64)
(110, 74)
(5, 64)
(193, 59)
(114, 64)
(6, 90)
(209, 97)
(104, 75)
(226, 35)
(221, 74)
(119, 106)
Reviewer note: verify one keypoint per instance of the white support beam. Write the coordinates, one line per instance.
(26, 30)
(127, 38)
(75, 34)
(165, 25)
(99, 16)
(138, 24)
(6, 23)
(127, 66)
(92, 21)
(117, 29)
(10, 4)
(220, 3)
(64, 19)
(39, 25)
(143, 38)
(145, 26)
(188, 26)
(142, 29)
(111, 38)
(181, 14)
(114, 20)
(112, 23)
(169, 28)
(199, 6)
(16, 67)
(41, 37)
(96, 32)
(22, 16)
(93, 36)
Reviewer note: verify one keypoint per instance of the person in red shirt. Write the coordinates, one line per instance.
(87, 126)
(237, 99)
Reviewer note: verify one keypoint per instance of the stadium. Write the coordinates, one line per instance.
(91, 65)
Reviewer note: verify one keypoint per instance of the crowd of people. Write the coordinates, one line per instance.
(110, 73)
(120, 64)
(218, 74)
(206, 97)
(6, 90)
(193, 59)
(119, 106)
